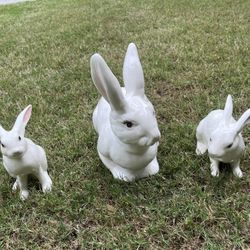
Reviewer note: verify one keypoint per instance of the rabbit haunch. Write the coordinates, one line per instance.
(125, 120)
(22, 157)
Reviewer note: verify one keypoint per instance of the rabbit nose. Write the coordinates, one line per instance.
(157, 137)
(154, 140)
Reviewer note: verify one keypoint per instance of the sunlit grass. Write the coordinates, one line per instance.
(194, 53)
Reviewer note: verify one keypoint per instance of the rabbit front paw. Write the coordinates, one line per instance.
(214, 167)
(15, 186)
(237, 172)
(24, 194)
(47, 187)
(215, 172)
(151, 169)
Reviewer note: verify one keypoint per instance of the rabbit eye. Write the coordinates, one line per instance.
(128, 124)
(19, 138)
(230, 145)
(210, 139)
(2, 145)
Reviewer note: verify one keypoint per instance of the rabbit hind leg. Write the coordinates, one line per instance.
(45, 180)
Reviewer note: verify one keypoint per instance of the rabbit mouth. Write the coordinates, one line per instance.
(145, 142)
(17, 155)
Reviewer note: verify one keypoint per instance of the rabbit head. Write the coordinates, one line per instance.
(13, 143)
(132, 116)
(226, 139)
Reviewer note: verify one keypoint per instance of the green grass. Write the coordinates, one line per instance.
(193, 53)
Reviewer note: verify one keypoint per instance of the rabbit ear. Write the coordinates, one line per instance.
(132, 72)
(228, 109)
(243, 121)
(22, 120)
(106, 83)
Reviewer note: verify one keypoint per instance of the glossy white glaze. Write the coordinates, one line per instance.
(22, 157)
(129, 152)
(220, 134)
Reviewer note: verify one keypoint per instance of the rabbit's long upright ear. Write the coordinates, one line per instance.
(22, 120)
(106, 83)
(228, 109)
(132, 72)
(243, 121)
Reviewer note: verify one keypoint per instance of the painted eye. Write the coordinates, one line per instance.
(19, 138)
(128, 124)
(230, 145)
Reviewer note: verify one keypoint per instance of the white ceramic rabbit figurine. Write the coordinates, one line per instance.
(220, 134)
(125, 120)
(21, 156)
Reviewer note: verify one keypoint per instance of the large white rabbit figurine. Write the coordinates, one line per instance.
(22, 157)
(125, 120)
(220, 134)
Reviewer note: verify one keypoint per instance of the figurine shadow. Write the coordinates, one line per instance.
(225, 168)
(33, 182)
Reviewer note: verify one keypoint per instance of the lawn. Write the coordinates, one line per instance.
(194, 53)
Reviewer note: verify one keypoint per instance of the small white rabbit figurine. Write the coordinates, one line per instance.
(125, 120)
(220, 134)
(21, 156)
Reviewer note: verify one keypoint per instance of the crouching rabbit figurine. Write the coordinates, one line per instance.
(125, 120)
(220, 134)
(21, 156)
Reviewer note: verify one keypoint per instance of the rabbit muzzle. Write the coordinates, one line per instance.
(155, 139)
(149, 141)
(17, 154)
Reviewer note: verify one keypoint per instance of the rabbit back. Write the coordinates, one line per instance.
(208, 125)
